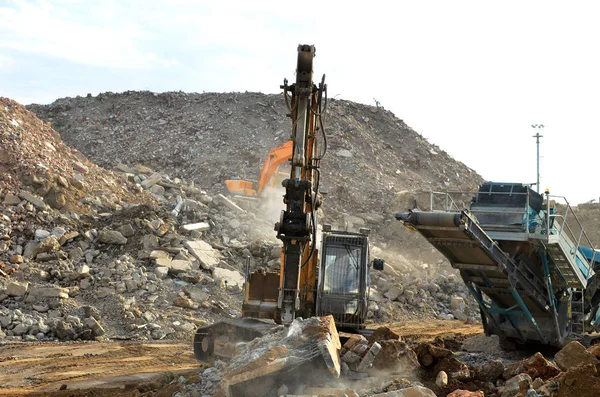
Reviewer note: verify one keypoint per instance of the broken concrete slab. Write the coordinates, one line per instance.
(230, 204)
(231, 277)
(151, 181)
(204, 252)
(199, 227)
(16, 289)
(368, 359)
(156, 254)
(312, 343)
(36, 201)
(49, 292)
(179, 266)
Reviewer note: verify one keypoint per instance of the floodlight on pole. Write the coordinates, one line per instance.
(537, 136)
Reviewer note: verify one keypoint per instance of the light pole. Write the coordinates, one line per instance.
(537, 136)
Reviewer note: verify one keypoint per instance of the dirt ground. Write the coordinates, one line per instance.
(131, 369)
(451, 332)
(115, 368)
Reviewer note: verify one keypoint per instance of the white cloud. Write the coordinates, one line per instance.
(50, 29)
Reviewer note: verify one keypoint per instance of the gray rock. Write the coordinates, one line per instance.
(149, 242)
(344, 153)
(151, 181)
(31, 249)
(158, 190)
(204, 252)
(393, 293)
(41, 234)
(37, 202)
(20, 329)
(94, 325)
(16, 289)
(369, 357)
(86, 283)
(161, 271)
(196, 294)
(48, 292)
(5, 321)
(11, 199)
(511, 387)
(111, 237)
(231, 277)
(76, 254)
(126, 230)
(58, 232)
(41, 307)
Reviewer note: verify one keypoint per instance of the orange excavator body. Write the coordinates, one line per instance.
(275, 158)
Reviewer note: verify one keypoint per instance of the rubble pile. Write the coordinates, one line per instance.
(289, 363)
(133, 253)
(372, 156)
(38, 168)
(413, 296)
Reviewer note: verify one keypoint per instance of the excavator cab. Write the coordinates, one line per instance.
(343, 282)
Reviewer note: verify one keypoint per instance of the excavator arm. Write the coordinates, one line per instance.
(275, 158)
(297, 225)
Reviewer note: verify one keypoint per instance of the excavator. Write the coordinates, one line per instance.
(333, 280)
(268, 176)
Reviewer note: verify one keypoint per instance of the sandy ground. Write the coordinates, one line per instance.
(44, 368)
(107, 369)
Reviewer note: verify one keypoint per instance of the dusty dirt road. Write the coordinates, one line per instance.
(44, 368)
(108, 369)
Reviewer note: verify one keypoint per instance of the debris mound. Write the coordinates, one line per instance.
(36, 166)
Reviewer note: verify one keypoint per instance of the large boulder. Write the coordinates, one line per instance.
(574, 355)
(396, 356)
(537, 366)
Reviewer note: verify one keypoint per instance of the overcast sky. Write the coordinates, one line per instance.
(470, 76)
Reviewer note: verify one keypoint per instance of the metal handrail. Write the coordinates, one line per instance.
(563, 228)
(582, 232)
